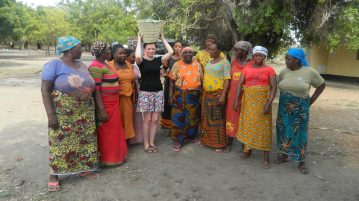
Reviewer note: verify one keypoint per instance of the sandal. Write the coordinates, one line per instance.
(176, 147)
(148, 150)
(89, 175)
(228, 148)
(218, 151)
(303, 169)
(154, 149)
(244, 155)
(53, 186)
(281, 159)
(266, 165)
(196, 141)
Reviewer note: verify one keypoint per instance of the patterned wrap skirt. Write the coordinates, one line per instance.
(292, 125)
(185, 115)
(254, 127)
(73, 146)
(213, 122)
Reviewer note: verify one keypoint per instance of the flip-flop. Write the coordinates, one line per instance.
(148, 150)
(228, 149)
(266, 165)
(218, 151)
(154, 149)
(281, 160)
(303, 170)
(243, 155)
(53, 186)
(89, 175)
(197, 142)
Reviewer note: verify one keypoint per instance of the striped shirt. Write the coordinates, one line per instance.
(105, 78)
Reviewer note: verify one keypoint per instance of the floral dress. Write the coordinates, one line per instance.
(73, 146)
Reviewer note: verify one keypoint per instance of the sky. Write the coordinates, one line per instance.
(35, 3)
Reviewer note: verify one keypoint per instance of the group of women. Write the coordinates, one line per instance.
(206, 100)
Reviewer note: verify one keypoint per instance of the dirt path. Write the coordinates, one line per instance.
(195, 173)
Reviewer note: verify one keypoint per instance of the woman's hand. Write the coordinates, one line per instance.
(170, 99)
(53, 122)
(161, 36)
(236, 105)
(140, 36)
(163, 73)
(222, 100)
(103, 116)
(267, 108)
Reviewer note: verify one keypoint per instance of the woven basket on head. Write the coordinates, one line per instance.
(150, 29)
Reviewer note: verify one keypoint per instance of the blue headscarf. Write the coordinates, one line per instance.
(298, 54)
(66, 43)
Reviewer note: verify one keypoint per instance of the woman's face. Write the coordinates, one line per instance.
(150, 50)
(120, 55)
(177, 47)
(131, 58)
(240, 53)
(107, 53)
(208, 42)
(291, 62)
(213, 51)
(187, 56)
(259, 58)
(77, 51)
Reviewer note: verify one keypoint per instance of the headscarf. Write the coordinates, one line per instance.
(244, 45)
(66, 43)
(97, 48)
(187, 48)
(298, 54)
(260, 49)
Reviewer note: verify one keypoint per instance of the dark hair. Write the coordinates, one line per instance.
(129, 51)
(145, 45)
(178, 41)
(219, 45)
(113, 50)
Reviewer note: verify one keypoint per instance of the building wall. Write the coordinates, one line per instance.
(318, 59)
(343, 62)
(340, 62)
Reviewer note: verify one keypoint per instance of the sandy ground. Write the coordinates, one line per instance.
(193, 174)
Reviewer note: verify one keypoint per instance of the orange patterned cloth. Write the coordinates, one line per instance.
(126, 82)
(186, 76)
(255, 128)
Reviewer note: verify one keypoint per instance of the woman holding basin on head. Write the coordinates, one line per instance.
(294, 104)
(150, 98)
(66, 89)
(258, 81)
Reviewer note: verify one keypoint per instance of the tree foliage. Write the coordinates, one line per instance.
(271, 23)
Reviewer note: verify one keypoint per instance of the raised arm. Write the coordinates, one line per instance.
(138, 52)
(169, 49)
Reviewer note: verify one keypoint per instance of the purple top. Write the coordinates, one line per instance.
(68, 80)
